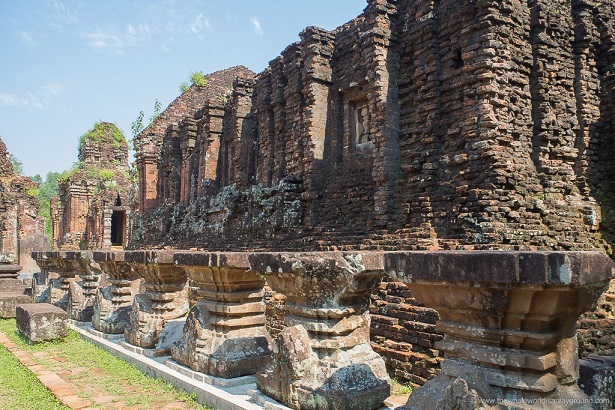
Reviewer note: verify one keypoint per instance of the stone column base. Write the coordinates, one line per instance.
(234, 353)
(148, 316)
(348, 379)
(109, 317)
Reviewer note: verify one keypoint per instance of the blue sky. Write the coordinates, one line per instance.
(66, 64)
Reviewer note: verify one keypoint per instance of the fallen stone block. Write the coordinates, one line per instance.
(597, 380)
(9, 302)
(41, 321)
(12, 290)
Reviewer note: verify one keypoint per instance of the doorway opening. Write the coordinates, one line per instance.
(118, 228)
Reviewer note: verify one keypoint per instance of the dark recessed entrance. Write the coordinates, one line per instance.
(118, 227)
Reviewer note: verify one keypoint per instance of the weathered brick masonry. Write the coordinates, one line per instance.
(418, 125)
(21, 229)
(93, 207)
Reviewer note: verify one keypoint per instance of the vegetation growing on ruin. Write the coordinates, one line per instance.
(103, 131)
(33, 192)
(107, 174)
(137, 125)
(196, 78)
(77, 166)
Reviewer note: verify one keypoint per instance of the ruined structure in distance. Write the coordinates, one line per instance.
(22, 230)
(93, 207)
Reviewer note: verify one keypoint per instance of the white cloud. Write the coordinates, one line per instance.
(7, 99)
(60, 15)
(26, 38)
(200, 24)
(53, 89)
(106, 42)
(256, 26)
(166, 46)
(40, 99)
(113, 42)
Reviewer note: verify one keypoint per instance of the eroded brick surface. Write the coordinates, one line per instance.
(415, 126)
(21, 228)
(92, 209)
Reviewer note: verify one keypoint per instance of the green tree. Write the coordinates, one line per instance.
(47, 190)
(17, 165)
(137, 125)
(156, 113)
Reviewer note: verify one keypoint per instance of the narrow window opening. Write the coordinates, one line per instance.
(458, 59)
(118, 226)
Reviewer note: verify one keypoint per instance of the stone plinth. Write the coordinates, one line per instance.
(324, 359)
(113, 303)
(12, 291)
(509, 323)
(60, 286)
(41, 292)
(41, 321)
(82, 292)
(225, 332)
(165, 296)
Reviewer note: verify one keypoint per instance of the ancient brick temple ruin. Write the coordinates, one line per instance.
(428, 191)
(93, 208)
(418, 125)
(22, 231)
(167, 148)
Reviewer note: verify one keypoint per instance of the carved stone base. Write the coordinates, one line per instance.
(12, 291)
(113, 303)
(81, 308)
(9, 301)
(472, 390)
(110, 315)
(225, 333)
(41, 293)
(58, 292)
(147, 317)
(165, 296)
(354, 378)
(324, 358)
(230, 354)
(509, 324)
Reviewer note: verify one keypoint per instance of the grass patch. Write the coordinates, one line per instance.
(20, 389)
(101, 372)
(400, 389)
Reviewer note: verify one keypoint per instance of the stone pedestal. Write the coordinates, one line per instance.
(82, 292)
(509, 324)
(165, 297)
(59, 288)
(113, 303)
(41, 321)
(324, 359)
(41, 292)
(225, 333)
(12, 291)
